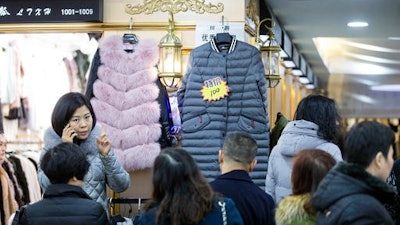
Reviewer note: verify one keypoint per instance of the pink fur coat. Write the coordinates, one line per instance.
(125, 100)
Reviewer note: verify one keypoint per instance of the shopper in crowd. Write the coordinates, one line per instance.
(10, 191)
(236, 160)
(182, 195)
(309, 167)
(316, 124)
(64, 201)
(394, 181)
(276, 132)
(354, 191)
(73, 120)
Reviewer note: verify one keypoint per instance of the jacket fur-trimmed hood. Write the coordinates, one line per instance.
(125, 100)
(290, 211)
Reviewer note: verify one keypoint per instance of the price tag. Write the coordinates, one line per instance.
(214, 89)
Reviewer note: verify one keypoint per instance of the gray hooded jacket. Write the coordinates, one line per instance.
(297, 135)
(102, 170)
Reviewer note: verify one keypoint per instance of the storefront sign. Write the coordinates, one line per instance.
(205, 31)
(54, 11)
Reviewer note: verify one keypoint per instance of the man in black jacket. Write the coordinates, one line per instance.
(236, 160)
(354, 191)
(64, 201)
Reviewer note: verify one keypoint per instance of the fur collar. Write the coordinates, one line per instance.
(291, 210)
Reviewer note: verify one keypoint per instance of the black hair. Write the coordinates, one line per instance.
(65, 108)
(182, 194)
(322, 111)
(365, 140)
(240, 147)
(63, 162)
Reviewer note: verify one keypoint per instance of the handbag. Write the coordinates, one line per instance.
(223, 211)
(18, 216)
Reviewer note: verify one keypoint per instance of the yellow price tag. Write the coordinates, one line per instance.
(214, 89)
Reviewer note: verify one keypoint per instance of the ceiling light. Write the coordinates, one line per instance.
(304, 80)
(310, 86)
(297, 72)
(357, 24)
(394, 38)
(389, 87)
(288, 64)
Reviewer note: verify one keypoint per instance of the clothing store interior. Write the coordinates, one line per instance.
(40, 61)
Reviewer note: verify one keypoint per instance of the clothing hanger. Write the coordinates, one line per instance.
(130, 38)
(223, 39)
(135, 220)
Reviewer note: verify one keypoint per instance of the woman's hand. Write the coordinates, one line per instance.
(103, 143)
(68, 134)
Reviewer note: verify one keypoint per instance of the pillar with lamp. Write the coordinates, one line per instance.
(170, 58)
(270, 53)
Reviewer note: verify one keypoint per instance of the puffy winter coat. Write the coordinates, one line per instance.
(64, 204)
(205, 122)
(297, 135)
(350, 195)
(102, 170)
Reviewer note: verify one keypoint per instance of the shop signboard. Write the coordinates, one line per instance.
(205, 31)
(54, 11)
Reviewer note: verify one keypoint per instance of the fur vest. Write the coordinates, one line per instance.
(125, 100)
(290, 211)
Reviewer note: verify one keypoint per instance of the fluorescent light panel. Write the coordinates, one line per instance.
(357, 24)
(289, 64)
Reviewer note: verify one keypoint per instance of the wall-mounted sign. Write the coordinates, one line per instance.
(54, 11)
(205, 31)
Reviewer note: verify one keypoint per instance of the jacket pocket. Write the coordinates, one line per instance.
(196, 123)
(251, 126)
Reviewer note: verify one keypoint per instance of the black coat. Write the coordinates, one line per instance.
(350, 195)
(65, 204)
(255, 206)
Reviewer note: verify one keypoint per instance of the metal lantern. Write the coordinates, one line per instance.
(270, 54)
(170, 58)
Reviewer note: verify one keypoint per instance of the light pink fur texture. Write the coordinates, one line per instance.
(125, 100)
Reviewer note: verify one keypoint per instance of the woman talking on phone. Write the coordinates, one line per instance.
(73, 120)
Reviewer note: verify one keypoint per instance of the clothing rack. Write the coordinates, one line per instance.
(127, 200)
(22, 145)
(114, 204)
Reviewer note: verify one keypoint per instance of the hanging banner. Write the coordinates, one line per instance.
(54, 11)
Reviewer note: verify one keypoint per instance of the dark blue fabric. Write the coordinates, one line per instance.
(65, 204)
(254, 204)
(213, 217)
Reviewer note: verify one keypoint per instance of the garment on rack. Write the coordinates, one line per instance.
(123, 91)
(82, 61)
(224, 91)
(1, 118)
(26, 175)
(8, 202)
